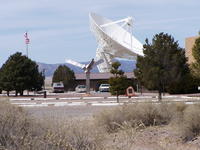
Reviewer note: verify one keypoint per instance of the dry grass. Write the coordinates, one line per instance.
(137, 115)
(80, 135)
(184, 118)
(123, 128)
(128, 125)
(15, 127)
(190, 127)
(18, 130)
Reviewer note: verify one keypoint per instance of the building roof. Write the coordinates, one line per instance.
(192, 37)
(101, 76)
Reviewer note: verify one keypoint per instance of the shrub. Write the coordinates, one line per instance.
(85, 137)
(180, 107)
(111, 119)
(76, 134)
(190, 127)
(150, 114)
(139, 115)
(18, 130)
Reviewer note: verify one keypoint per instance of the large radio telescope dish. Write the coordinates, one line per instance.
(115, 40)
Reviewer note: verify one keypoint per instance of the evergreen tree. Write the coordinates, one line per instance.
(163, 66)
(195, 67)
(118, 83)
(20, 73)
(65, 75)
(0, 81)
(6, 79)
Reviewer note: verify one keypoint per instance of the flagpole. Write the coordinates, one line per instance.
(27, 41)
(27, 49)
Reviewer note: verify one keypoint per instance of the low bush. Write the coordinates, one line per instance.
(139, 115)
(190, 127)
(180, 107)
(76, 134)
(15, 127)
(18, 130)
(111, 119)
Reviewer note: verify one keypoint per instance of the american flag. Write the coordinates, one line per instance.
(27, 40)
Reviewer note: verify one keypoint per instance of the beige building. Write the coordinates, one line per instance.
(189, 43)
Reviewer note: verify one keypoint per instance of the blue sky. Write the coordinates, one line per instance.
(59, 29)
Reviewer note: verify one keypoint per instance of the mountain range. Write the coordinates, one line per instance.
(126, 66)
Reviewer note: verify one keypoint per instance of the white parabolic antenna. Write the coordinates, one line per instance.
(115, 40)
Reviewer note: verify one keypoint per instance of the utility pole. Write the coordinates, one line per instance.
(87, 81)
(43, 74)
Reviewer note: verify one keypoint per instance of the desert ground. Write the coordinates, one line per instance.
(100, 120)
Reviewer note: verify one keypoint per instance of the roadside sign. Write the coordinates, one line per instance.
(130, 91)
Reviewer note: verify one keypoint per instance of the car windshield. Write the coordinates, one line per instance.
(105, 85)
(57, 84)
(81, 86)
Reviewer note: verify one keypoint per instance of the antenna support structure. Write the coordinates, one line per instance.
(115, 40)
